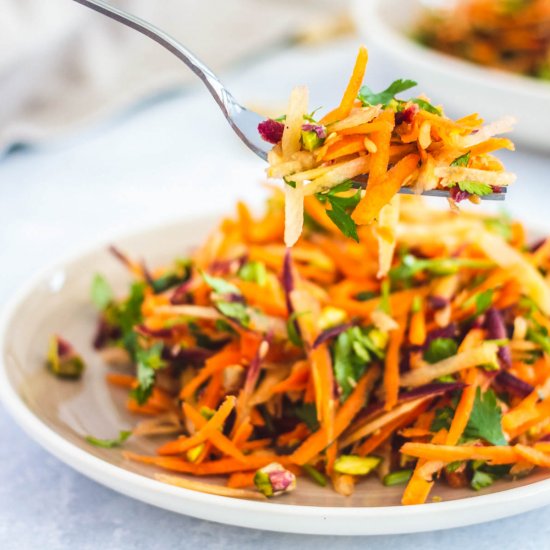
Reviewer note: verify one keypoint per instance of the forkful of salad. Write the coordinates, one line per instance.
(384, 146)
(359, 156)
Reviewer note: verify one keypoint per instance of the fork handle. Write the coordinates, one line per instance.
(215, 87)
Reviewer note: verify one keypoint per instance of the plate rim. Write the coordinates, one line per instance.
(270, 516)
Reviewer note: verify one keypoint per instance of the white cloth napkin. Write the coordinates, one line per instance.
(63, 65)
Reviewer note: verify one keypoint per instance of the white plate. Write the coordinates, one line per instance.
(460, 86)
(58, 413)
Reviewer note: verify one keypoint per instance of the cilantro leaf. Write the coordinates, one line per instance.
(340, 208)
(148, 362)
(368, 97)
(462, 160)
(109, 443)
(234, 310)
(427, 106)
(254, 272)
(481, 480)
(482, 301)
(475, 188)
(125, 315)
(219, 285)
(343, 221)
(439, 349)
(353, 351)
(101, 292)
(484, 475)
(485, 419)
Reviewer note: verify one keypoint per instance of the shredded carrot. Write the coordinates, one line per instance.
(316, 442)
(225, 445)
(418, 488)
(240, 480)
(450, 453)
(463, 409)
(391, 369)
(184, 444)
(352, 88)
(379, 193)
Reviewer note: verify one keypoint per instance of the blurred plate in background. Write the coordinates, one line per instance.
(462, 87)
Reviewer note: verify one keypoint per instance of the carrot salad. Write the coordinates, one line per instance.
(262, 364)
(416, 351)
(385, 142)
(513, 35)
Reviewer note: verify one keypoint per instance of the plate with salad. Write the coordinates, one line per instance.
(345, 361)
(488, 53)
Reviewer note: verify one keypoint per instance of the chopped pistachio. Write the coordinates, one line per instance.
(194, 453)
(356, 465)
(311, 140)
(315, 475)
(273, 480)
(398, 477)
(62, 359)
(207, 412)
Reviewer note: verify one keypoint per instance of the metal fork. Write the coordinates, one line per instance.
(243, 121)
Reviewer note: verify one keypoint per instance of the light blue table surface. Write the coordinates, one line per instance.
(165, 160)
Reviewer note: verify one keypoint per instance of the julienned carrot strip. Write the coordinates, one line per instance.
(417, 329)
(256, 419)
(347, 146)
(533, 456)
(214, 467)
(121, 380)
(321, 367)
(212, 394)
(542, 412)
(297, 378)
(373, 426)
(418, 488)
(265, 299)
(219, 440)
(243, 433)
(450, 453)
(382, 140)
(299, 433)
(331, 453)
(400, 303)
(391, 366)
(215, 423)
(227, 356)
(149, 410)
(492, 144)
(463, 409)
(375, 440)
(240, 480)
(523, 412)
(352, 89)
(256, 444)
(316, 442)
(380, 193)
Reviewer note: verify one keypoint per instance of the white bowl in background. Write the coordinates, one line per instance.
(460, 86)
